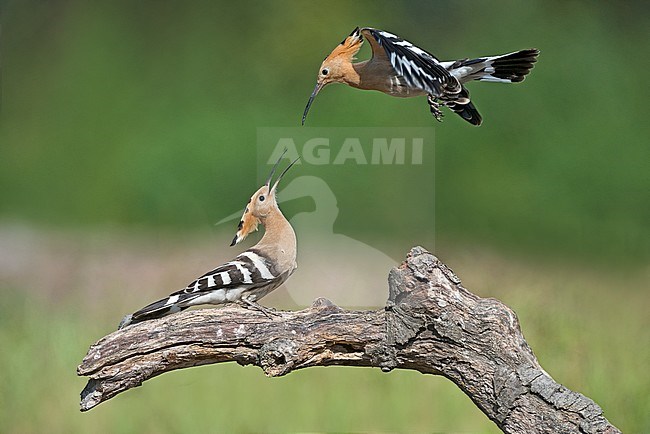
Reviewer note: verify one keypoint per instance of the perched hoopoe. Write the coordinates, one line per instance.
(252, 274)
(399, 68)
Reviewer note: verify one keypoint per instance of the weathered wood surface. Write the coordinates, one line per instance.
(430, 324)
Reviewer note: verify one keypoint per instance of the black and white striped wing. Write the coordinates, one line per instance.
(419, 68)
(250, 273)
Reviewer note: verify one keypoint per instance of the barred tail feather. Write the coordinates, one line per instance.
(509, 68)
(158, 309)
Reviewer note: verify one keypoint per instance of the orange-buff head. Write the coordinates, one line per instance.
(337, 66)
(260, 205)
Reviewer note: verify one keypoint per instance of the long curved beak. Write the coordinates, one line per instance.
(317, 89)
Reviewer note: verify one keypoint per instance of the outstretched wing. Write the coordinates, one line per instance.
(419, 68)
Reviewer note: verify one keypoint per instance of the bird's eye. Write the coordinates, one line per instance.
(325, 71)
(261, 198)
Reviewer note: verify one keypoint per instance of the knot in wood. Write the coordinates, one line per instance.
(324, 303)
(277, 358)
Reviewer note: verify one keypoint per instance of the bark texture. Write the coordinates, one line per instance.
(430, 324)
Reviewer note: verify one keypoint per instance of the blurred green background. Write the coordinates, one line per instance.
(129, 128)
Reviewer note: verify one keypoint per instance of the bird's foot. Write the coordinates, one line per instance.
(434, 106)
(267, 311)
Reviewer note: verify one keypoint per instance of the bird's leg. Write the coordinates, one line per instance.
(434, 105)
(267, 311)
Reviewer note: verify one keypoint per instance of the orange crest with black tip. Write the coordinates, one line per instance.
(247, 224)
(348, 47)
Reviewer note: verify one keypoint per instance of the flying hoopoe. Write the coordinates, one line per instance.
(399, 68)
(251, 275)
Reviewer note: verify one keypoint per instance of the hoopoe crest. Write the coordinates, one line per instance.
(399, 68)
(251, 275)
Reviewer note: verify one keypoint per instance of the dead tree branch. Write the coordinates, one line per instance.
(430, 324)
